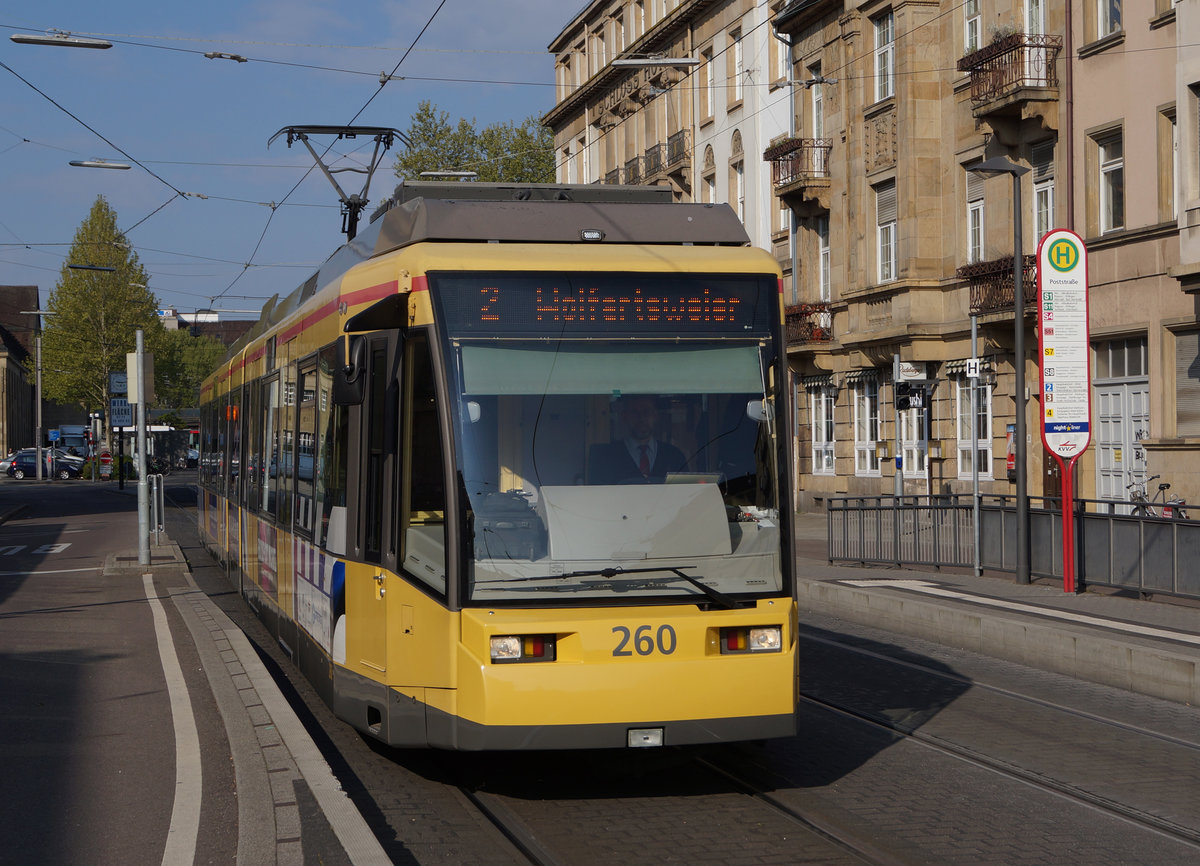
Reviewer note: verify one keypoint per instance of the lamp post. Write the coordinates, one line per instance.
(37, 342)
(991, 168)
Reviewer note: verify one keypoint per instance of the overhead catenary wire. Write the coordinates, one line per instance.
(383, 83)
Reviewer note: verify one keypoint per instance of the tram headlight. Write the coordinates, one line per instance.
(752, 639)
(506, 649)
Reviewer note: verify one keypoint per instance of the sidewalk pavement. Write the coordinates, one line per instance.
(1106, 637)
(271, 752)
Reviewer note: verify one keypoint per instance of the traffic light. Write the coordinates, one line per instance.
(909, 396)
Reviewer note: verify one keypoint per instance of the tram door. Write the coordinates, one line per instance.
(366, 607)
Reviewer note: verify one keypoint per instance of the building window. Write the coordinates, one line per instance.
(735, 67)
(1043, 189)
(599, 55)
(708, 85)
(912, 436)
(866, 426)
(1112, 182)
(974, 216)
(885, 55)
(980, 431)
(824, 285)
(779, 60)
(737, 188)
(885, 220)
(1108, 17)
(1168, 164)
(823, 430)
(1187, 383)
(972, 23)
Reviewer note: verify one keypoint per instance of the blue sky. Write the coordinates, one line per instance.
(202, 124)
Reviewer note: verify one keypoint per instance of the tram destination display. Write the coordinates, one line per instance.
(645, 304)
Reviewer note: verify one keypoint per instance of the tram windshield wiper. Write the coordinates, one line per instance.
(716, 595)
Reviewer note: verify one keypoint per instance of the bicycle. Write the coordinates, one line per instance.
(1168, 506)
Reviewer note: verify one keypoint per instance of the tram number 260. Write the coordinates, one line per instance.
(644, 640)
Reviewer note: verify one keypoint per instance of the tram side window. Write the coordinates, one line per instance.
(209, 414)
(378, 410)
(332, 449)
(251, 488)
(305, 447)
(269, 455)
(423, 525)
(286, 451)
(235, 442)
(222, 428)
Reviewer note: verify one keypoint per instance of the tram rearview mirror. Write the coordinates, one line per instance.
(760, 410)
(348, 379)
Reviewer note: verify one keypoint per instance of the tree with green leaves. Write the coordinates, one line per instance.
(180, 366)
(94, 314)
(501, 152)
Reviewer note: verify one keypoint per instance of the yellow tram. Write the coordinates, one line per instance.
(507, 472)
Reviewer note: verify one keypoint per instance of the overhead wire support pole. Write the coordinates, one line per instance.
(143, 491)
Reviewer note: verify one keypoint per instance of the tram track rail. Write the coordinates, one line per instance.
(1007, 769)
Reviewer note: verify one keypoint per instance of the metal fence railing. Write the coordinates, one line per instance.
(1114, 547)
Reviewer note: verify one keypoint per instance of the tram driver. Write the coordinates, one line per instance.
(640, 457)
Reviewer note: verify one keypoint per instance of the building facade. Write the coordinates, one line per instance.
(904, 249)
(678, 93)
(17, 332)
(903, 284)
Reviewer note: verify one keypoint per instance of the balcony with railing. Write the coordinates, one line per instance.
(808, 323)
(799, 166)
(652, 160)
(679, 152)
(991, 284)
(612, 176)
(633, 170)
(1012, 70)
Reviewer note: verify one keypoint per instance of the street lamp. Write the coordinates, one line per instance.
(57, 37)
(37, 339)
(991, 168)
(99, 163)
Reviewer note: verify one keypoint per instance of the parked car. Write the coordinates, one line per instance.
(23, 464)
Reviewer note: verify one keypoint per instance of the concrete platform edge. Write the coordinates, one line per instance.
(1089, 654)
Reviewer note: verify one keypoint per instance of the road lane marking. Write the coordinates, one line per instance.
(185, 811)
(54, 571)
(927, 588)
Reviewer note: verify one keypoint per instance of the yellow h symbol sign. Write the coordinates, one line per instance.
(1063, 255)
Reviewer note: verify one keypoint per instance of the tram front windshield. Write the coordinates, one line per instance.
(618, 469)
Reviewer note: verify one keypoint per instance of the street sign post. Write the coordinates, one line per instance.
(1063, 356)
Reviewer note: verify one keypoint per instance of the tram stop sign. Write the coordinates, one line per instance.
(1066, 374)
(1063, 341)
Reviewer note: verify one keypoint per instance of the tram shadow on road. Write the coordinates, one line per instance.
(846, 682)
(858, 697)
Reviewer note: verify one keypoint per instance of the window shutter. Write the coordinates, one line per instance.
(885, 202)
(1042, 157)
(1187, 383)
(974, 184)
